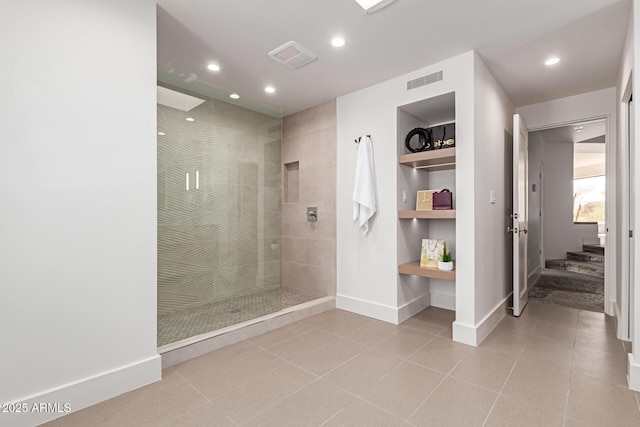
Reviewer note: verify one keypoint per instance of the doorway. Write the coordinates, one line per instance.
(567, 221)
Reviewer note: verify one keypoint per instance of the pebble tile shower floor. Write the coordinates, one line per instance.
(553, 366)
(179, 325)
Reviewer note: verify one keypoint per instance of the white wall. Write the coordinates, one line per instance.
(536, 145)
(493, 130)
(560, 233)
(78, 217)
(367, 269)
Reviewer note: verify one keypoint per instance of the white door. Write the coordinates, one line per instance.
(520, 216)
(631, 215)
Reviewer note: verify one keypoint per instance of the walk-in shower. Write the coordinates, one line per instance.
(219, 186)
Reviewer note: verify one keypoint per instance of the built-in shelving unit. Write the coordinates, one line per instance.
(433, 169)
(414, 269)
(440, 214)
(434, 160)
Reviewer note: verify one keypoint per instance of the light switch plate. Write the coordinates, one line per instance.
(492, 197)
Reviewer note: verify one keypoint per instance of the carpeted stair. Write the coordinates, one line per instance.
(577, 281)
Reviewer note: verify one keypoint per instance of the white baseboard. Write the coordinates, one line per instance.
(447, 302)
(86, 392)
(474, 335)
(633, 375)
(386, 313)
(534, 276)
(414, 307)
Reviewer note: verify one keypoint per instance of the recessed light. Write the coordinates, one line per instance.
(189, 119)
(213, 67)
(234, 96)
(161, 133)
(551, 61)
(269, 89)
(338, 42)
(578, 128)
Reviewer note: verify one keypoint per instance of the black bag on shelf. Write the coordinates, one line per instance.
(424, 140)
(444, 136)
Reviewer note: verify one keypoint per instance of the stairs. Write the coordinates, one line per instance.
(590, 261)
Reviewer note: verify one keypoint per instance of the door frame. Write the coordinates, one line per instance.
(623, 311)
(610, 194)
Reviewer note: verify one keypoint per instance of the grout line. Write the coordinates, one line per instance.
(500, 392)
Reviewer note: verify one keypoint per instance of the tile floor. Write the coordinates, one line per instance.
(553, 366)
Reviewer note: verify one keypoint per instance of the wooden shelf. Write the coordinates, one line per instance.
(436, 214)
(434, 160)
(414, 269)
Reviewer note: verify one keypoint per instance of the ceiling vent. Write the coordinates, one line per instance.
(292, 54)
(425, 80)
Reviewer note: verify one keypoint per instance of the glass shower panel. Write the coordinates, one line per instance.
(218, 217)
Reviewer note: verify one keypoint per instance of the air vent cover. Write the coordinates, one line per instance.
(292, 54)
(425, 80)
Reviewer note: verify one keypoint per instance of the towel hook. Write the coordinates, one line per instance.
(357, 140)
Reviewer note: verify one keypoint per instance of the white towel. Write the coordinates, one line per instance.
(364, 195)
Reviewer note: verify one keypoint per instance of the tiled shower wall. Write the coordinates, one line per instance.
(219, 237)
(309, 180)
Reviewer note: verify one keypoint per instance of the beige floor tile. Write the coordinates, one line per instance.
(219, 380)
(556, 331)
(602, 365)
(455, 403)
(337, 319)
(303, 344)
(214, 359)
(596, 402)
(202, 416)
(152, 411)
(330, 356)
(592, 324)
(359, 373)
(600, 340)
(485, 368)
(281, 334)
(441, 354)
(424, 325)
(509, 412)
(505, 341)
(405, 342)
(248, 400)
(523, 324)
(573, 423)
(559, 314)
(547, 349)
(437, 315)
(403, 390)
(344, 323)
(53, 423)
(311, 406)
(373, 332)
(541, 383)
(359, 413)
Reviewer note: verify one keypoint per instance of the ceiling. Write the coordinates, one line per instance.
(513, 37)
(588, 141)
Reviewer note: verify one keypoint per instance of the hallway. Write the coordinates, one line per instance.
(552, 366)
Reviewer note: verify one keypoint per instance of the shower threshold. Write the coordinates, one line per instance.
(179, 326)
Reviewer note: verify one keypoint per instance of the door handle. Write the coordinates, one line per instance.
(512, 230)
(524, 230)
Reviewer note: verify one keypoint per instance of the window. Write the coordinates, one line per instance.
(588, 199)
